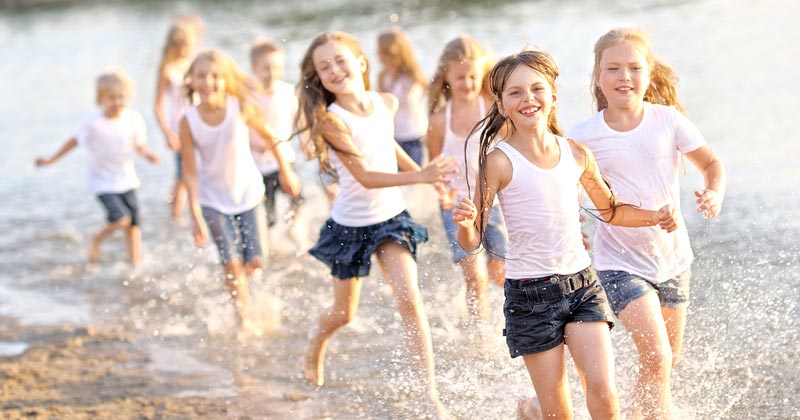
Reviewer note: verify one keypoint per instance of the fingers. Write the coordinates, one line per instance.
(708, 203)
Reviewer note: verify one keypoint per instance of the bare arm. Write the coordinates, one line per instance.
(63, 150)
(190, 180)
(337, 135)
(465, 212)
(148, 154)
(435, 135)
(709, 199)
(173, 141)
(287, 177)
(619, 214)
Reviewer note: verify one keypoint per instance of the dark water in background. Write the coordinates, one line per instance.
(738, 64)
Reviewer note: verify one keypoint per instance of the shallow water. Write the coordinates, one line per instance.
(737, 61)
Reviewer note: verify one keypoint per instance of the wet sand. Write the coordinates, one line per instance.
(99, 373)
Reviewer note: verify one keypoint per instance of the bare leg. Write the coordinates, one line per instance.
(475, 276)
(548, 372)
(497, 271)
(178, 197)
(236, 282)
(97, 239)
(675, 320)
(133, 236)
(346, 294)
(400, 270)
(643, 319)
(590, 346)
(298, 230)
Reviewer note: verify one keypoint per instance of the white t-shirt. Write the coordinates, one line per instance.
(111, 147)
(411, 118)
(542, 215)
(279, 109)
(356, 205)
(641, 165)
(228, 179)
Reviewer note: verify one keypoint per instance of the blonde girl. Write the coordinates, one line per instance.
(402, 76)
(171, 101)
(638, 136)
(352, 133)
(224, 184)
(553, 298)
(458, 101)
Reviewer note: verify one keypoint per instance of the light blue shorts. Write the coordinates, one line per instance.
(495, 239)
(623, 288)
(238, 236)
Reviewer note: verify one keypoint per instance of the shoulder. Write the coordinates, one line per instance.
(333, 125)
(581, 153)
(663, 112)
(390, 101)
(499, 164)
(585, 128)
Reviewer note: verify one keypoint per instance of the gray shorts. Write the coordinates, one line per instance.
(623, 288)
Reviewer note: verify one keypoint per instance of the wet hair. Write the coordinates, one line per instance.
(314, 98)
(115, 77)
(663, 80)
(237, 83)
(394, 43)
(263, 46)
(461, 49)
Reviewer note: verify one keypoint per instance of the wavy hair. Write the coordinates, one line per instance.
(464, 48)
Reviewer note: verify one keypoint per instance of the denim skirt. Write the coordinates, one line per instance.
(347, 250)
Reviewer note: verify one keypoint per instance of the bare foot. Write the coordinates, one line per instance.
(94, 251)
(529, 409)
(312, 367)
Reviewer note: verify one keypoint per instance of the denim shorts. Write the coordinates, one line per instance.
(238, 236)
(623, 288)
(495, 239)
(120, 205)
(538, 310)
(412, 147)
(271, 187)
(347, 250)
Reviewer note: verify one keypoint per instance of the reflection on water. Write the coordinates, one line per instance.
(740, 356)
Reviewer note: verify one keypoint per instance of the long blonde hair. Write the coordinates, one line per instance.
(394, 43)
(178, 35)
(464, 48)
(314, 98)
(663, 80)
(237, 83)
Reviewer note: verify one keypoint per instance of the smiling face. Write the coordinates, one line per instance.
(339, 70)
(623, 75)
(527, 98)
(464, 79)
(208, 81)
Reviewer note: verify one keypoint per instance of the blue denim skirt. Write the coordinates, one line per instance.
(347, 250)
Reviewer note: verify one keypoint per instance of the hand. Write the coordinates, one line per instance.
(447, 198)
(666, 218)
(438, 169)
(200, 232)
(173, 141)
(290, 182)
(584, 236)
(709, 203)
(42, 162)
(153, 158)
(465, 212)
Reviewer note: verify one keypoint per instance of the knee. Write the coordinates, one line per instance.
(658, 362)
(122, 222)
(343, 317)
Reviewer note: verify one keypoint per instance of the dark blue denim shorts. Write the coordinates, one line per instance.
(623, 288)
(120, 205)
(538, 310)
(347, 250)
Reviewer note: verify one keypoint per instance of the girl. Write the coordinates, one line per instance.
(112, 137)
(458, 101)
(171, 101)
(637, 137)
(368, 214)
(402, 77)
(224, 184)
(552, 294)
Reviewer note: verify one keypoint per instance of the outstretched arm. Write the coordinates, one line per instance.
(148, 154)
(337, 135)
(709, 199)
(287, 177)
(63, 150)
(619, 214)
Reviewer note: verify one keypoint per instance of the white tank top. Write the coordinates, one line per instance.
(176, 101)
(228, 179)
(411, 118)
(453, 145)
(541, 211)
(373, 136)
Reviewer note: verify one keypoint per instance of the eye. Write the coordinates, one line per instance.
(612, 68)
(637, 67)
